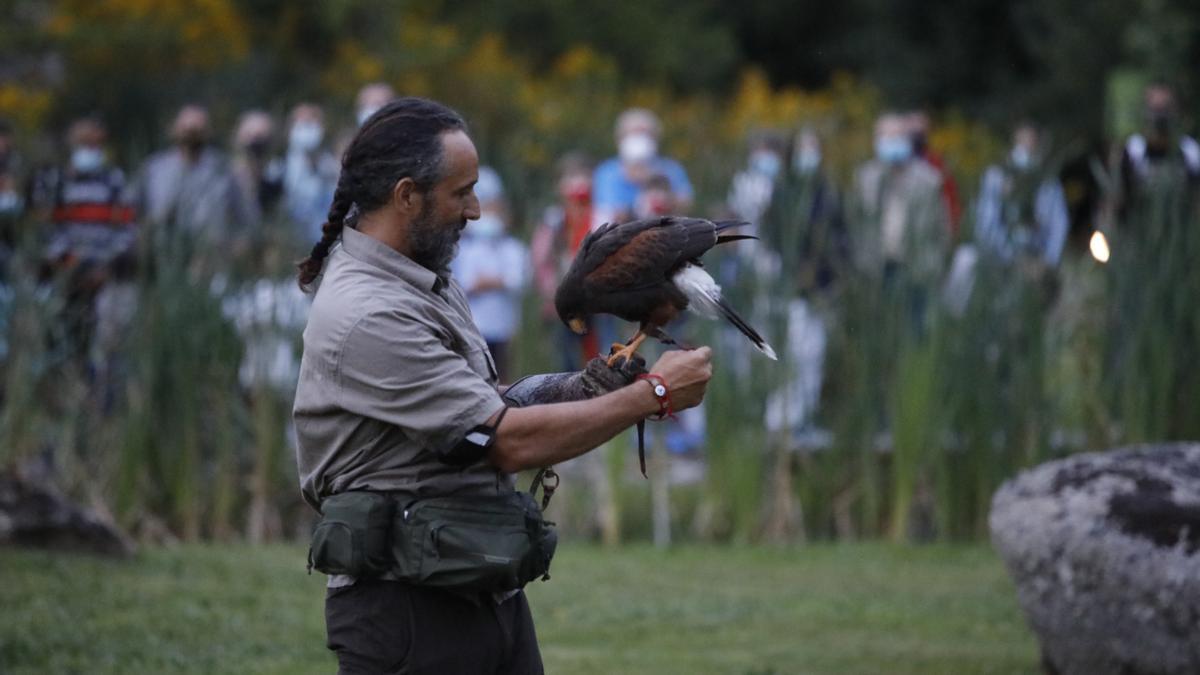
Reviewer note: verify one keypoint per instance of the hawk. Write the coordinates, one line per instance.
(648, 271)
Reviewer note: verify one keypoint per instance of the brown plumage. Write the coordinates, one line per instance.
(648, 271)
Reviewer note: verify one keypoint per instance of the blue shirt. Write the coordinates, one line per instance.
(496, 312)
(613, 191)
(996, 226)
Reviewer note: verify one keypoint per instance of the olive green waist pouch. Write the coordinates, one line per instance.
(354, 534)
(477, 543)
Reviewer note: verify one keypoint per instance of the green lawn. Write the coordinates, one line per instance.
(862, 608)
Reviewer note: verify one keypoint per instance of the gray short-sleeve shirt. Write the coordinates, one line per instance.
(393, 373)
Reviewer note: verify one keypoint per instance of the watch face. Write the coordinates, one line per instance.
(660, 390)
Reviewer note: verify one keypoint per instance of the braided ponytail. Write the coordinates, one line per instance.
(310, 267)
(402, 140)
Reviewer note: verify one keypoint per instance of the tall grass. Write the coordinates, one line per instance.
(925, 421)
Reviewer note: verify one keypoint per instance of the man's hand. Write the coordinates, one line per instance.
(541, 435)
(687, 373)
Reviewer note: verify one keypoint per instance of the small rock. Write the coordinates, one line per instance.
(37, 516)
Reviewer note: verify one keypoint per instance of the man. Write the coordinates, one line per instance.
(310, 171)
(899, 223)
(81, 202)
(89, 239)
(1160, 159)
(619, 185)
(259, 176)
(1021, 215)
(189, 190)
(370, 99)
(620, 181)
(395, 376)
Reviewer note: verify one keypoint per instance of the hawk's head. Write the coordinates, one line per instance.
(570, 301)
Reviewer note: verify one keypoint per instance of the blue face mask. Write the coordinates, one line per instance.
(1021, 158)
(86, 159)
(893, 149)
(807, 160)
(765, 162)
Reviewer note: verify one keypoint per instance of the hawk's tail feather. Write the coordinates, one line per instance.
(746, 328)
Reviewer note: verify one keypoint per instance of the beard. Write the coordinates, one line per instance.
(433, 244)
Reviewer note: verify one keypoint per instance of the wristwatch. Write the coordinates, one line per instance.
(658, 385)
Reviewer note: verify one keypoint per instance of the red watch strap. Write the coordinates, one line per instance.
(664, 399)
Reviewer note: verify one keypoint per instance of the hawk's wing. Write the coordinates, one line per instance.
(643, 253)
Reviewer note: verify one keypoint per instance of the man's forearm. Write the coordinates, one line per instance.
(542, 435)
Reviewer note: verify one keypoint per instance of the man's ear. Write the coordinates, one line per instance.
(406, 197)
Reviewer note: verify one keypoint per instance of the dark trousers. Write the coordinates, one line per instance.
(390, 627)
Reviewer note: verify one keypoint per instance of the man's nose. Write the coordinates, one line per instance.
(472, 210)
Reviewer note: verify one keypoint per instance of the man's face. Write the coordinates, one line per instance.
(1159, 113)
(447, 205)
(191, 127)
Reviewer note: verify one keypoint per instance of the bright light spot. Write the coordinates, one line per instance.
(1099, 246)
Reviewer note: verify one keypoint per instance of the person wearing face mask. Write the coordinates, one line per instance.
(1160, 158)
(80, 201)
(189, 190)
(553, 246)
(370, 99)
(619, 181)
(259, 175)
(752, 188)
(310, 171)
(88, 236)
(803, 229)
(898, 219)
(492, 266)
(1021, 214)
(618, 184)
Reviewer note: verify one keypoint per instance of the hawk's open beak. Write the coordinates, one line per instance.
(578, 325)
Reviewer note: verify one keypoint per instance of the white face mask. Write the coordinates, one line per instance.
(305, 136)
(487, 225)
(86, 159)
(638, 147)
(364, 114)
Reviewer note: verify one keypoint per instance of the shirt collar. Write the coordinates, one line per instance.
(372, 251)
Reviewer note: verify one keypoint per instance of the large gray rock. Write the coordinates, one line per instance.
(1105, 552)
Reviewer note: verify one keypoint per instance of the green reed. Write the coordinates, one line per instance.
(927, 410)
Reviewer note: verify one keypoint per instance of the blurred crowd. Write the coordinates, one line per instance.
(900, 221)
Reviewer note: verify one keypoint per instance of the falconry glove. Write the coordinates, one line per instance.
(596, 379)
